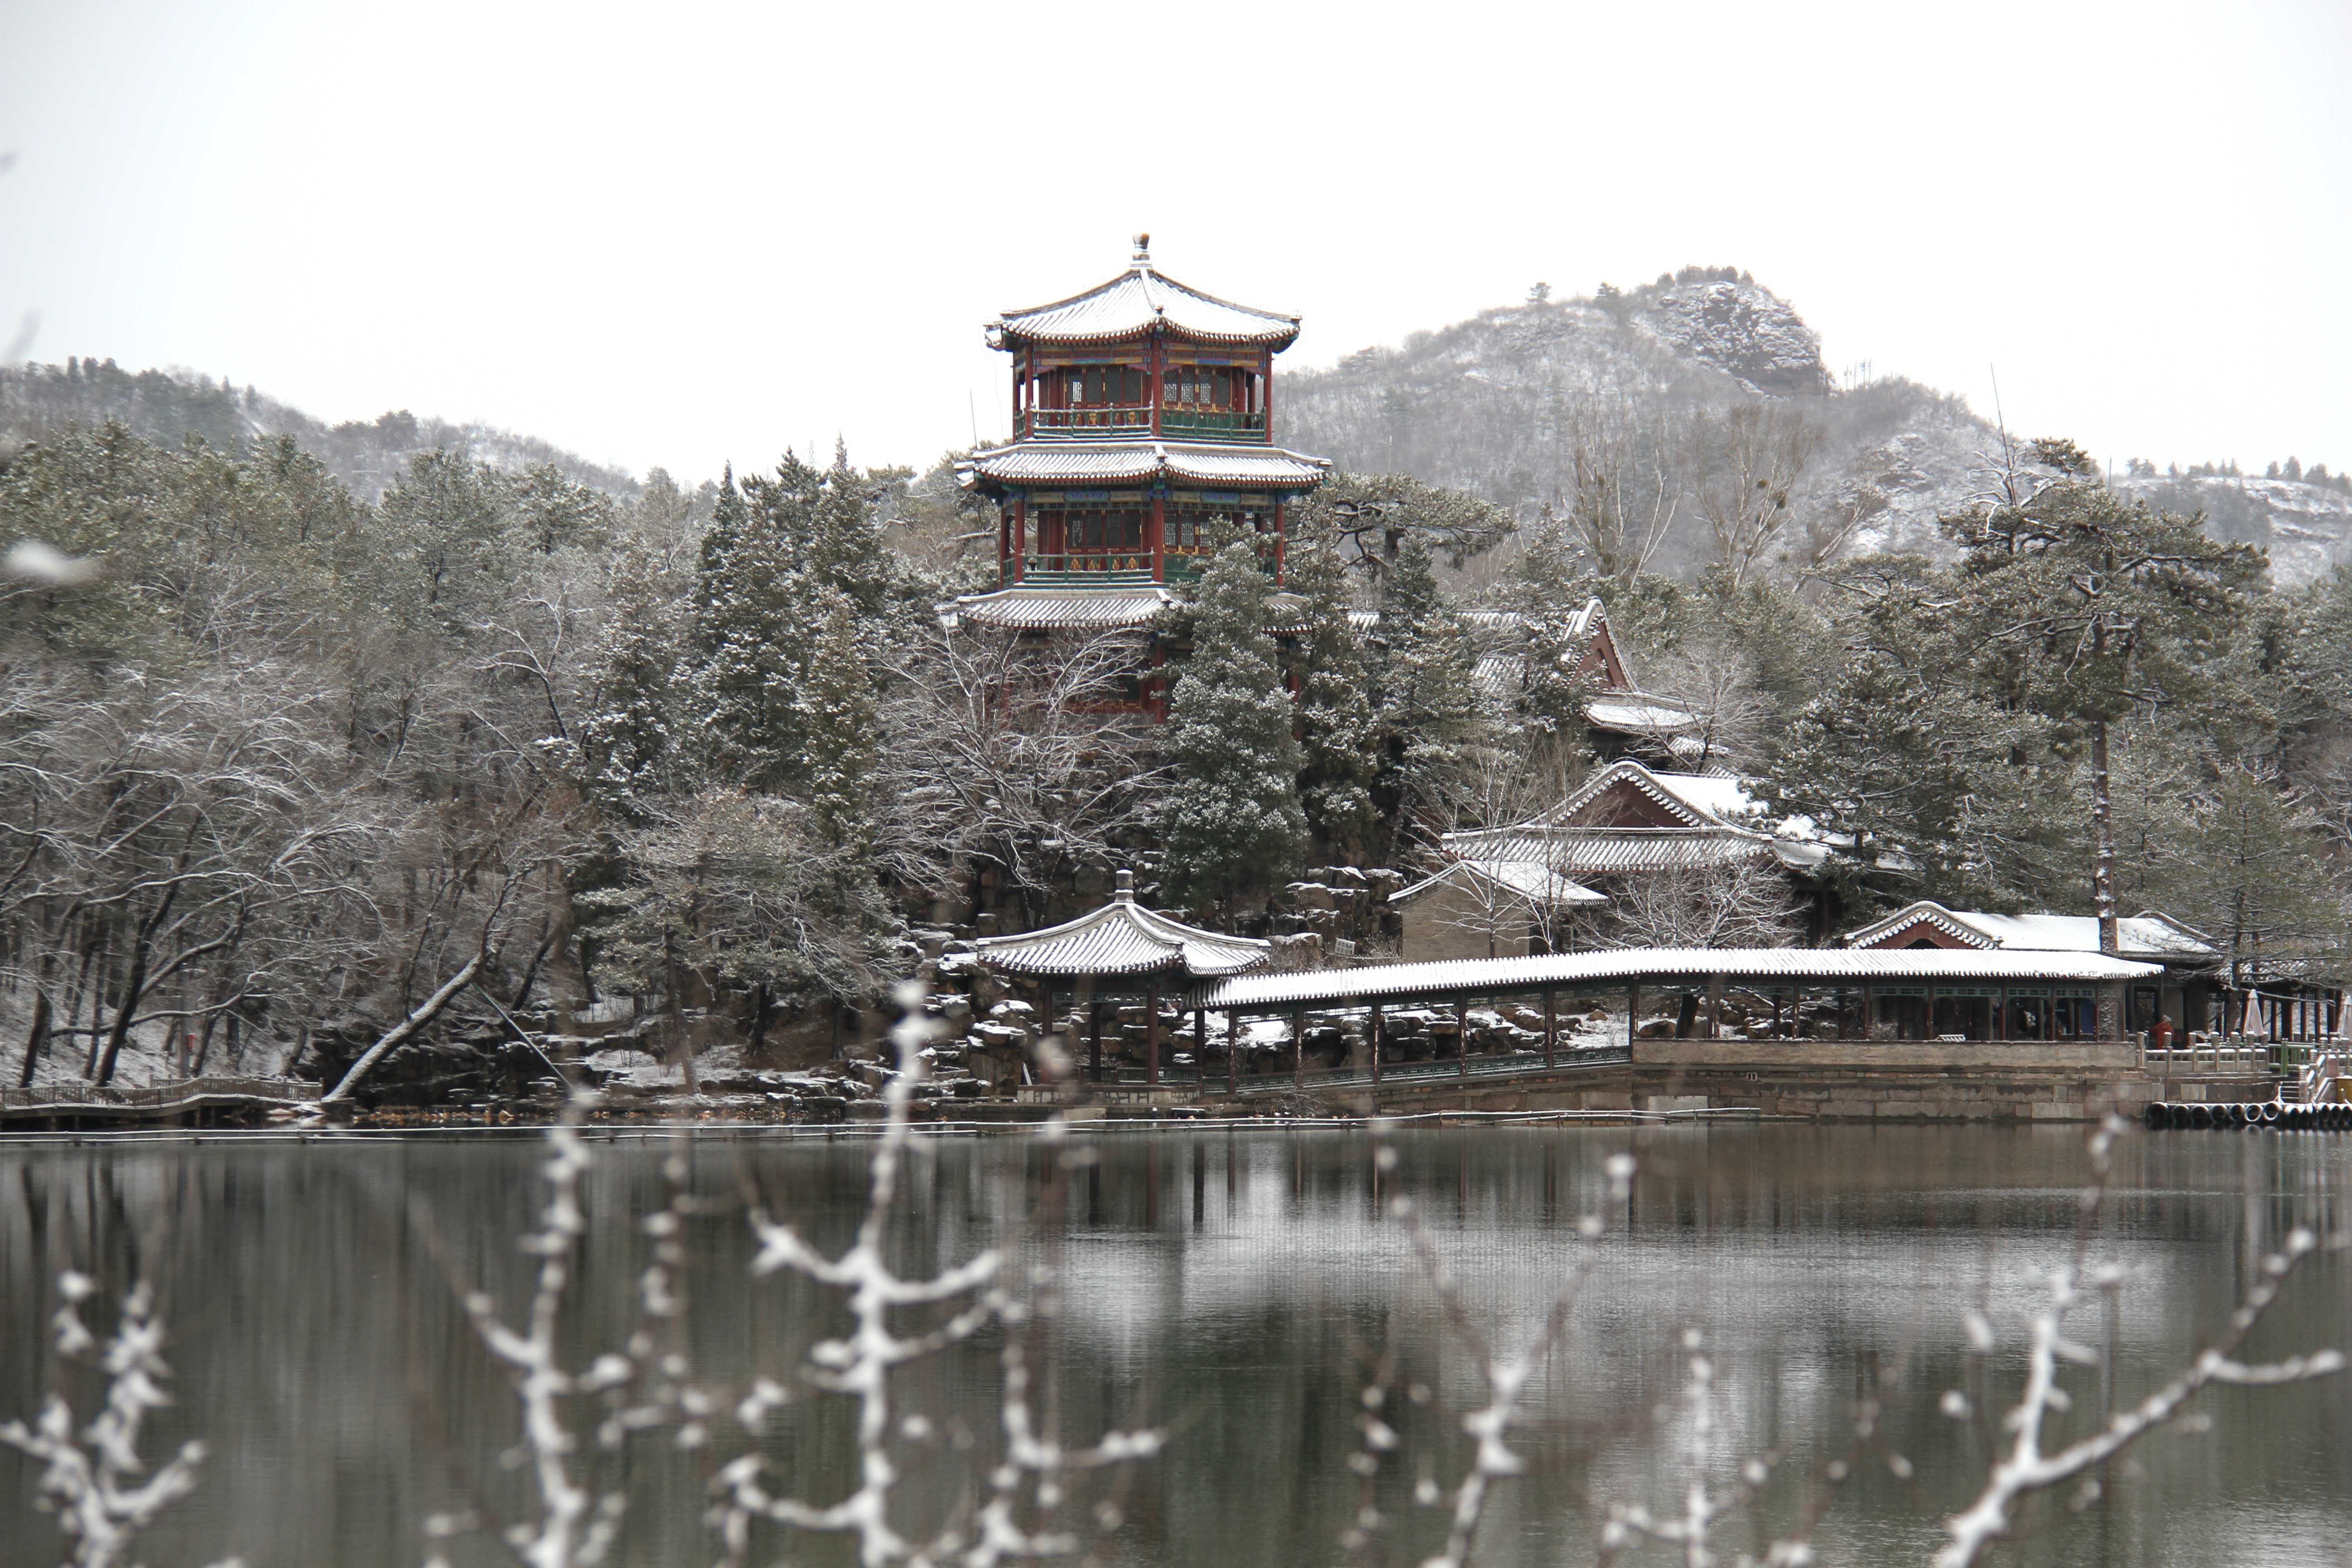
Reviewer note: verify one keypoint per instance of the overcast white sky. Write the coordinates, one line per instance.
(680, 235)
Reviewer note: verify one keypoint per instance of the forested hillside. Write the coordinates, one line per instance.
(166, 407)
(304, 729)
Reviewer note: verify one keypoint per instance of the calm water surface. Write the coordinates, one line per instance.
(1240, 1288)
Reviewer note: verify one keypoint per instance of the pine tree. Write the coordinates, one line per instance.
(1336, 729)
(2082, 608)
(836, 703)
(750, 606)
(629, 752)
(1232, 821)
(1425, 699)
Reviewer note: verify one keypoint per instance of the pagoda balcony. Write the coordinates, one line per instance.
(1213, 424)
(1048, 423)
(1085, 568)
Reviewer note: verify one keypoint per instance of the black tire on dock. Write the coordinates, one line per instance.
(2200, 1115)
(2181, 1114)
(2270, 1113)
(2159, 1114)
(2240, 1113)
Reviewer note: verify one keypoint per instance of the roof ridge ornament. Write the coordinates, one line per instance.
(1142, 259)
(1125, 878)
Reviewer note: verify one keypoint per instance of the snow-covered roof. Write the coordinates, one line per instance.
(1611, 851)
(1850, 966)
(1136, 301)
(1532, 881)
(1090, 608)
(1122, 937)
(1058, 609)
(2152, 934)
(1631, 712)
(1719, 823)
(1126, 462)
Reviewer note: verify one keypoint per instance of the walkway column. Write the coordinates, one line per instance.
(1232, 1050)
(1632, 1013)
(1093, 1030)
(1551, 1031)
(1200, 1045)
(1462, 1037)
(1151, 1034)
(1298, 1048)
(1374, 1033)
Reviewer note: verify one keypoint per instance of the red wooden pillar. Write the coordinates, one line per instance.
(1020, 532)
(1374, 1032)
(1155, 359)
(1159, 538)
(1551, 1030)
(1277, 543)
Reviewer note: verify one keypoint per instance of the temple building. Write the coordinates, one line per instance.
(1506, 891)
(1142, 411)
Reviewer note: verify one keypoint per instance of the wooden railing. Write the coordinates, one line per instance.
(1218, 424)
(1115, 420)
(155, 1099)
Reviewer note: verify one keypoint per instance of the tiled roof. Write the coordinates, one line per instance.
(1528, 879)
(1054, 609)
(1090, 609)
(2151, 935)
(1122, 937)
(1609, 851)
(1136, 301)
(1631, 711)
(1848, 966)
(1126, 462)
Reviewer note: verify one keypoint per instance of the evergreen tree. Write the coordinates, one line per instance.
(793, 598)
(629, 752)
(2079, 607)
(1335, 730)
(750, 603)
(1425, 700)
(1232, 821)
(836, 713)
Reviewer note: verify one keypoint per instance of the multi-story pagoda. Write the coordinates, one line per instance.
(1142, 410)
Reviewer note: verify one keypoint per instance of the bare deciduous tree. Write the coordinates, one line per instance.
(1754, 455)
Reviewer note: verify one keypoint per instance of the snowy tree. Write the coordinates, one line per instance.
(1425, 699)
(1336, 728)
(1369, 517)
(2081, 609)
(1232, 820)
(629, 750)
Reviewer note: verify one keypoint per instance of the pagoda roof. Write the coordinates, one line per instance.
(1138, 301)
(1123, 938)
(1083, 607)
(1134, 462)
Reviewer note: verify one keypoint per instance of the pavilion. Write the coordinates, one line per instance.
(1106, 951)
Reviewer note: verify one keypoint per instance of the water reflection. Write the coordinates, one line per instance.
(1240, 1288)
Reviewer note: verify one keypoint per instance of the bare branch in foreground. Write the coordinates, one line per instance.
(90, 1479)
(2026, 1468)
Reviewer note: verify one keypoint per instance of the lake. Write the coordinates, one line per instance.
(1239, 1288)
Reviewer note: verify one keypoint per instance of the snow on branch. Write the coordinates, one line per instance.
(859, 1364)
(2025, 1468)
(1507, 1375)
(642, 1385)
(92, 1479)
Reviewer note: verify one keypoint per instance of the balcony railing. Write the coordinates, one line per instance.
(1212, 424)
(1216, 424)
(1106, 421)
(1088, 566)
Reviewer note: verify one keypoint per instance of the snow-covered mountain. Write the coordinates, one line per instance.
(1500, 403)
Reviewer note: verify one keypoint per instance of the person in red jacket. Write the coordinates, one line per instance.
(2161, 1037)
